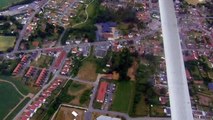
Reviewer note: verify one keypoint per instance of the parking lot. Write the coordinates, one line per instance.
(109, 96)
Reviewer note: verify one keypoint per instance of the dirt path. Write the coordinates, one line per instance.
(14, 87)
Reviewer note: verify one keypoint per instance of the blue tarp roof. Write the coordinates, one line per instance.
(106, 27)
(210, 86)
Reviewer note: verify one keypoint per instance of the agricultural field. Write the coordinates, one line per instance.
(6, 42)
(6, 3)
(8, 99)
(124, 90)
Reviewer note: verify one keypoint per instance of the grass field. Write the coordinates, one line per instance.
(19, 84)
(43, 62)
(6, 42)
(142, 109)
(123, 97)
(6, 3)
(88, 71)
(12, 115)
(8, 99)
(77, 89)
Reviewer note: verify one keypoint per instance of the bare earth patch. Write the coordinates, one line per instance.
(65, 113)
(195, 2)
(132, 70)
(88, 72)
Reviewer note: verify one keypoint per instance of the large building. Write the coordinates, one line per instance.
(102, 92)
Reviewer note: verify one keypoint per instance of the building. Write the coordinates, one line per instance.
(102, 92)
(107, 31)
(17, 69)
(210, 86)
(30, 71)
(59, 59)
(103, 117)
(41, 77)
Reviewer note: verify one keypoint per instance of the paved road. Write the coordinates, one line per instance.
(178, 88)
(23, 31)
(42, 89)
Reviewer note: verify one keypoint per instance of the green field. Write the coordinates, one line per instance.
(123, 97)
(8, 98)
(6, 42)
(19, 84)
(13, 114)
(6, 3)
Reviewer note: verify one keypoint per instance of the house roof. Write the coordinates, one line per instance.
(59, 59)
(41, 76)
(210, 86)
(29, 72)
(24, 58)
(102, 91)
(18, 67)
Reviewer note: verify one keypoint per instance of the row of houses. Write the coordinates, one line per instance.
(67, 67)
(20, 66)
(35, 105)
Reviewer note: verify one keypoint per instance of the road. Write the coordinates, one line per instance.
(177, 83)
(23, 31)
(42, 89)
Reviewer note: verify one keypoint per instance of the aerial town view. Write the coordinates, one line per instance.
(106, 60)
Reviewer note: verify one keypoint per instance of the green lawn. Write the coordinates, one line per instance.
(19, 84)
(75, 86)
(8, 98)
(6, 42)
(13, 114)
(123, 97)
(7, 3)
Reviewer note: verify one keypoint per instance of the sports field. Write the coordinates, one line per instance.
(8, 99)
(6, 42)
(123, 96)
(6, 3)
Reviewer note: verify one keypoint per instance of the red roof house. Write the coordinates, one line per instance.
(41, 77)
(101, 92)
(30, 71)
(17, 69)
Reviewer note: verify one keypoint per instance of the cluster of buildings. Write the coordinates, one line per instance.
(105, 94)
(107, 31)
(67, 67)
(39, 101)
(20, 66)
(60, 13)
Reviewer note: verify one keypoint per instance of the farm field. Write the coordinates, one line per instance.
(6, 3)
(8, 99)
(6, 42)
(124, 90)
